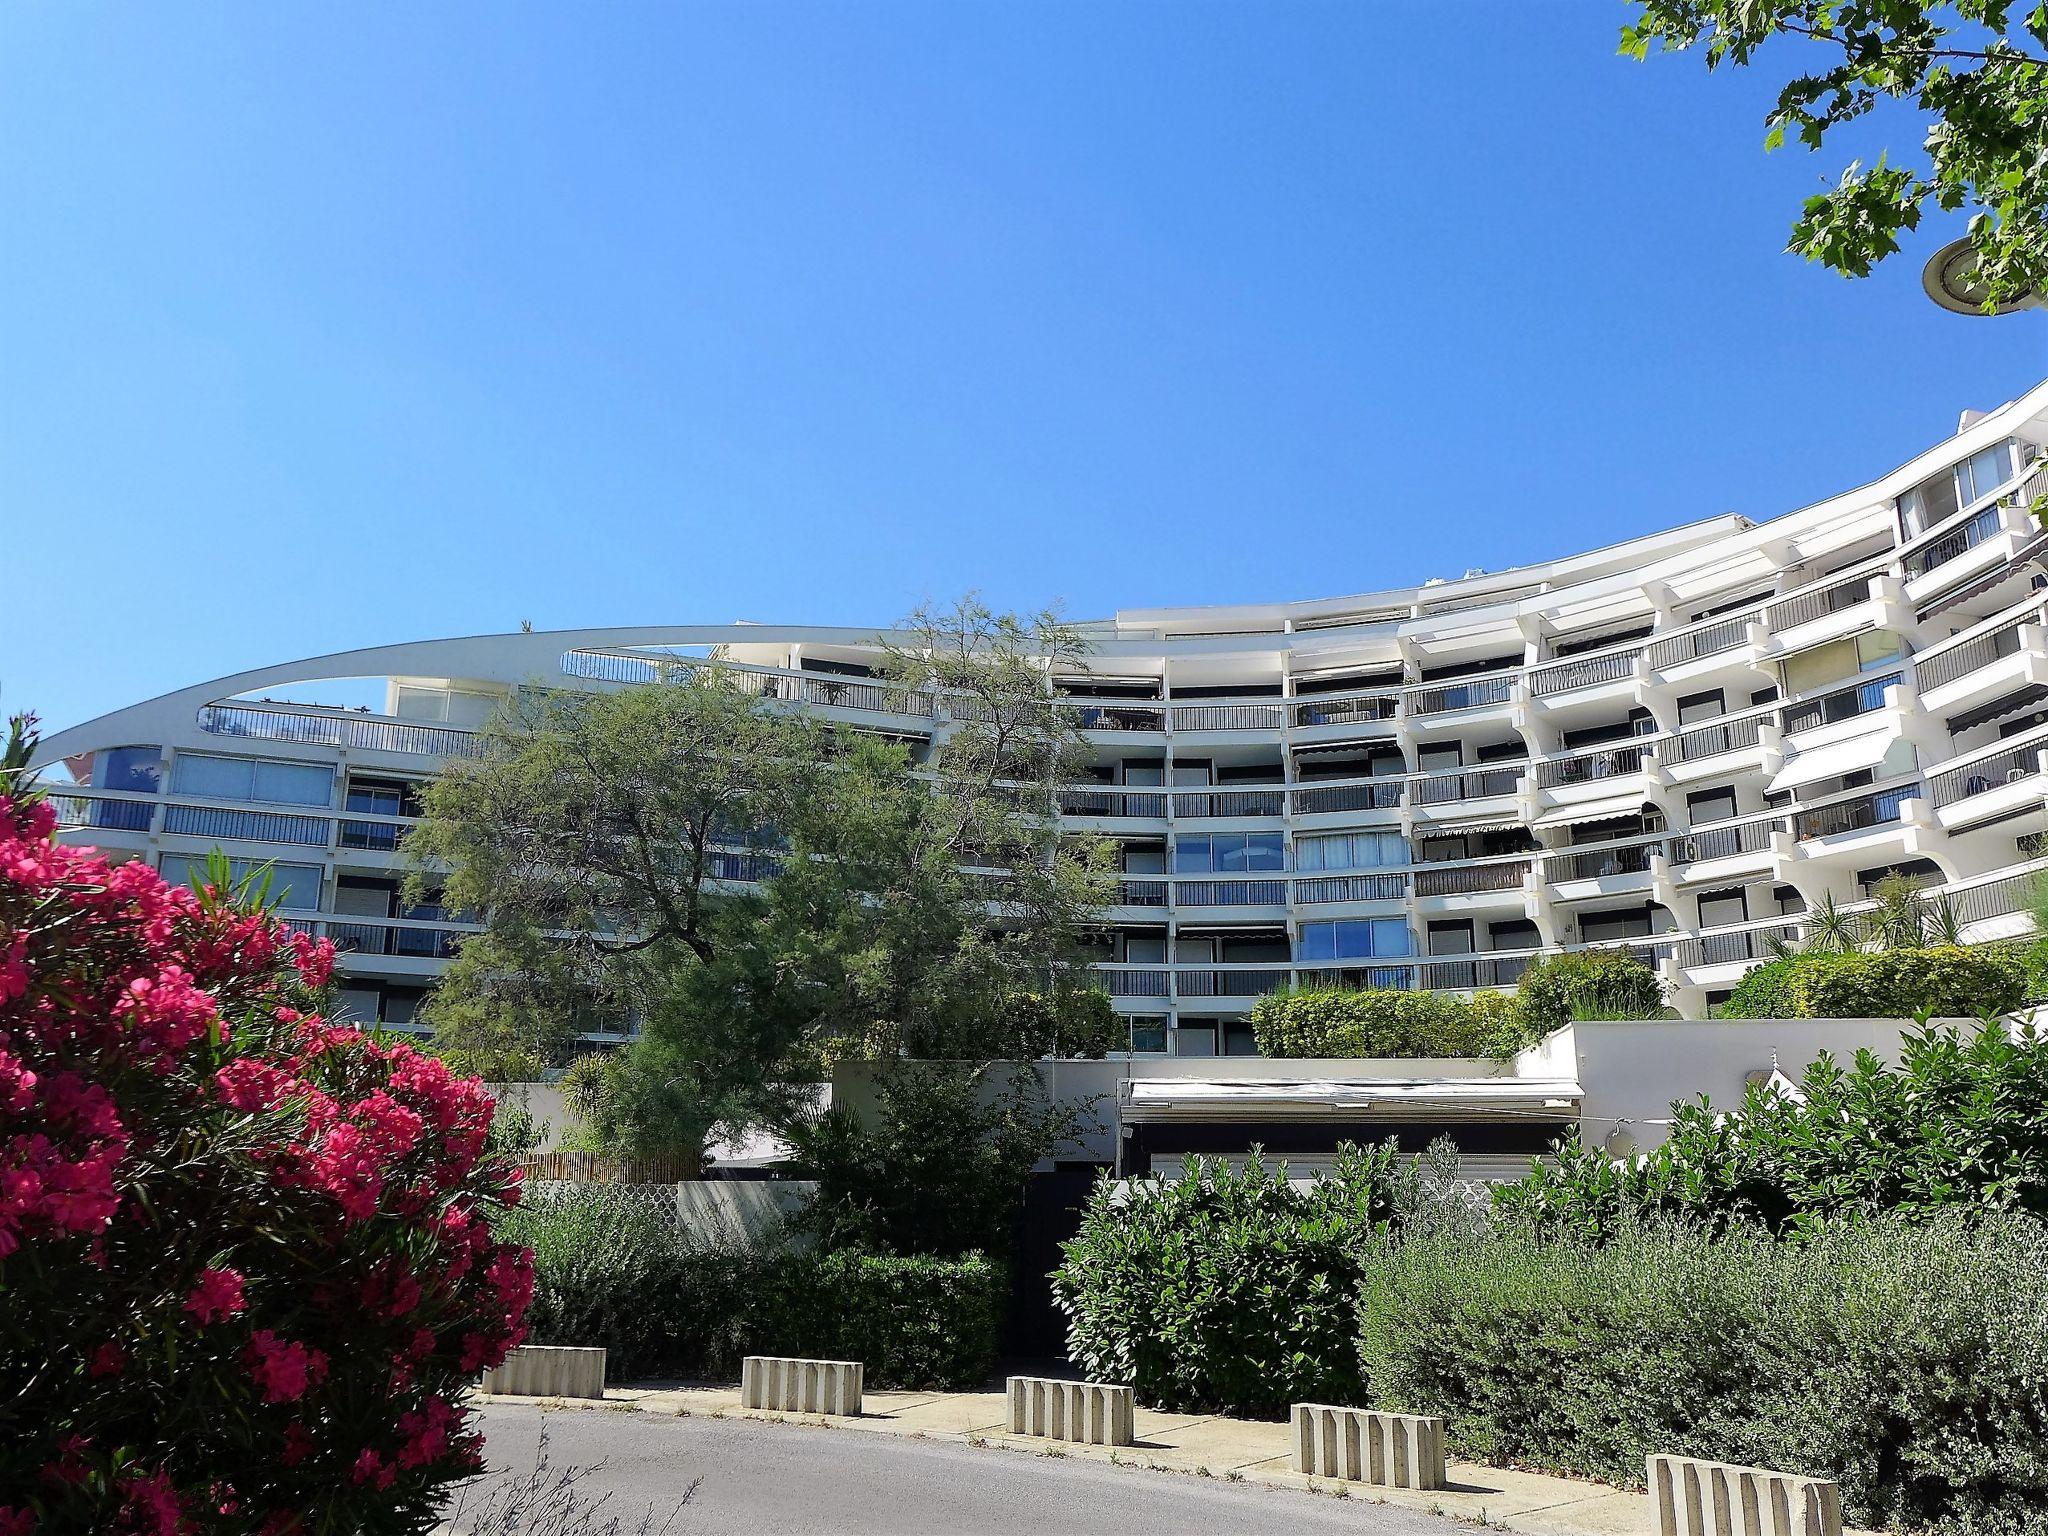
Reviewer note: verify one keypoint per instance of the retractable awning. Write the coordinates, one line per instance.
(1608, 808)
(1833, 759)
(1224, 1100)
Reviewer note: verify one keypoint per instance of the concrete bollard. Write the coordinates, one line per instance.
(548, 1370)
(1091, 1412)
(1360, 1445)
(1711, 1498)
(801, 1386)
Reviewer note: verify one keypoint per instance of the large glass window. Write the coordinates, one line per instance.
(1364, 938)
(296, 886)
(1232, 853)
(139, 769)
(1350, 850)
(1983, 472)
(247, 778)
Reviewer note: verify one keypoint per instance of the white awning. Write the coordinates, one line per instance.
(1213, 1101)
(1607, 808)
(1833, 760)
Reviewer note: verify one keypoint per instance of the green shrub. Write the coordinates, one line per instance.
(1908, 1363)
(2033, 959)
(1962, 1121)
(609, 1271)
(1765, 992)
(1327, 1021)
(1229, 1290)
(1947, 981)
(1606, 983)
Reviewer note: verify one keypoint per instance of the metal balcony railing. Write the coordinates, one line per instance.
(1227, 717)
(1724, 842)
(1735, 946)
(1563, 676)
(107, 815)
(1473, 693)
(1954, 544)
(1207, 804)
(1589, 767)
(1468, 879)
(1328, 888)
(1310, 712)
(1249, 981)
(1708, 640)
(1357, 978)
(1818, 604)
(1229, 893)
(1374, 795)
(1600, 863)
(1133, 983)
(254, 826)
(1088, 800)
(1855, 815)
(1141, 893)
(1472, 784)
(1711, 740)
(366, 733)
(1462, 973)
(1936, 669)
(1841, 704)
(1117, 717)
(1992, 771)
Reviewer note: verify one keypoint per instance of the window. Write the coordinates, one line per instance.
(1983, 472)
(294, 886)
(1709, 806)
(1695, 707)
(1351, 850)
(1629, 923)
(1451, 938)
(139, 769)
(248, 778)
(1229, 853)
(1194, 1040)
(1356, 939)
(1238, 1039)
(1723, 909)
(1148, 1034)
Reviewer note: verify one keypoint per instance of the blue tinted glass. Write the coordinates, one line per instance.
(131, 768)
(1318, 941)
(1389, 936)
(1191, 856)
(1265, 850)
(1229, 854)
(1354, 939)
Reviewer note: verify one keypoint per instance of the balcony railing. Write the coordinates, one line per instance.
(1590, 767)
(1468, 879)
(1956, 543)
(1227, 717)
(1564, 676)
(1374, 795)
(1208, 804)
(364, 732)
(1091, 716)
(1229, 893)
(1090, 801)
(1737, 945)
(1708, 640)
(1474, 693)
(1936, 669)
(1855, 815)
(1376, 707)
(1465, 973)
(1600, 863)
(106, 814)
(1713, 739)
(1473, 784)
(1992, 771)
(1723, 842)
(1141, 893)
(1842, 704)
(1361, 978)
(1120, 982)
(253, 826)
(1328, 888)
(1233, 981)
(1818, 604)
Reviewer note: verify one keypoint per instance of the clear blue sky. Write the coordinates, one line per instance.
(324, 326)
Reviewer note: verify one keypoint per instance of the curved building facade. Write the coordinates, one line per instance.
(1680, 744)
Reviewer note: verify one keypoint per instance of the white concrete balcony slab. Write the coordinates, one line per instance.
(1998, 663)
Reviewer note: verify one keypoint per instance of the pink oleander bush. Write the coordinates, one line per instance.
(246, 1262)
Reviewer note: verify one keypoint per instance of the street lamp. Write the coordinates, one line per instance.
(1950, 278)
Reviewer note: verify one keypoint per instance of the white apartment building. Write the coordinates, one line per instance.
(1679, 744)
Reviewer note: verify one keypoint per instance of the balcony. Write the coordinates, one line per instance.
(1984, 665)
(1359, 795)
(1225, 804)
(1717, 738)
(1365, 709)
(222, 825)
(1841, 704)
(1459, 789)
(1230, 893)
(1991, 784)
(1109, 802)
(1229, 981)
(1703, 854)
(1106, 715)
(1228, 717)
(1817, 603)
(102, 812)
(1323, 889)
(1451, 698)
(366, 733)
(1706, 640)
(1592, 671)
(1471, 879)
(1867, 829)
(1592, 767)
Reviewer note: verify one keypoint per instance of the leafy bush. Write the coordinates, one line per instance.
(1908, 1363)
(1326, 1021)
(1766, 991)
(246, 1261)
(1229, 1290)
(1604, 983)
(610, 1271)
(939, 1167)
(1962, 1121)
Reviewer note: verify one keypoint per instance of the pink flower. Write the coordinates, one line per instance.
(108, 1360)
(282, 1369)
(152, 1504)
(370, 1468)
(217, 1295)
(16, 1521)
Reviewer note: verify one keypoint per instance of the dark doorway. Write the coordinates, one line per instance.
(1035, 1328)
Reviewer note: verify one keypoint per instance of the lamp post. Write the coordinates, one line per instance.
(1950, 278)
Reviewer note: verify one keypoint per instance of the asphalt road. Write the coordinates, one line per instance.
(792, 1480)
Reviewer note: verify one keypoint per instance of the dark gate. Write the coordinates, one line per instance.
(1035, 1328)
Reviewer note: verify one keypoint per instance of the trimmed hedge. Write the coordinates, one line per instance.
(1230, 1290)
(1327, 1021)
(1947, 981)
(1909, 1363)
(1596, 983)
(608, 1271)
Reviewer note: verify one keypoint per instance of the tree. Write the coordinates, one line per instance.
(247, 1270)
(760, 893)
(1975, 70)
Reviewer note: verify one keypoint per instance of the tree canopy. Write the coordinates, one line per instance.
(1974, 71)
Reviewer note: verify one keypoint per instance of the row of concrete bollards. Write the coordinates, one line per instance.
(1688, 1497)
